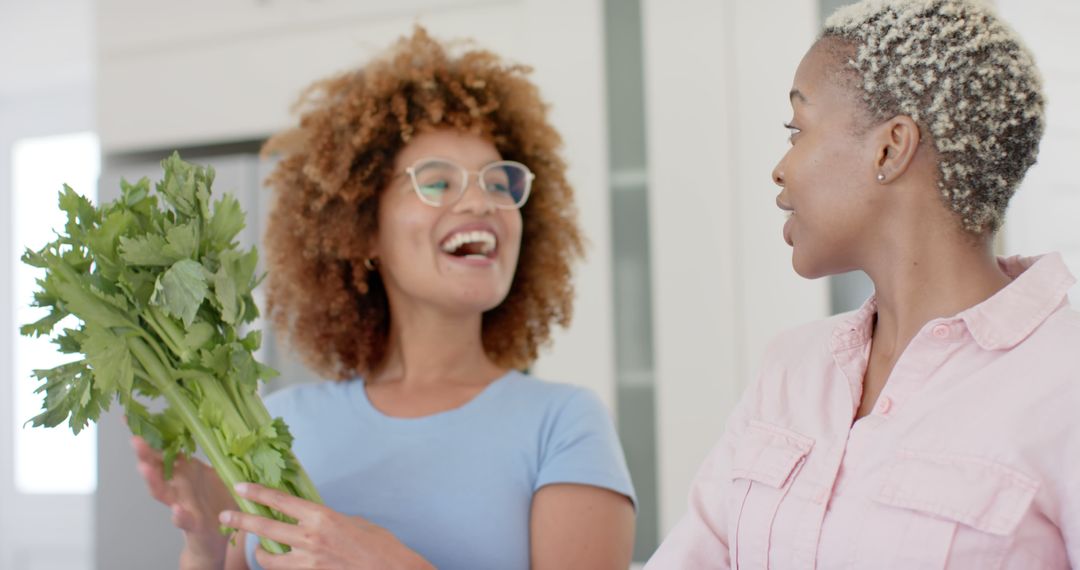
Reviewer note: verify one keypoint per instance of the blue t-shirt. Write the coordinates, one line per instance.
(455, 486)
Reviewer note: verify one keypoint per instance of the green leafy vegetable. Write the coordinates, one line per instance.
(159, 294)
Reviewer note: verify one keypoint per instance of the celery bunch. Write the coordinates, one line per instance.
(159, 292)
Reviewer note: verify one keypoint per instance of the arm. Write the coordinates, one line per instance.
(581, 527)
(321, 537)
(701, 539)
(582, 506)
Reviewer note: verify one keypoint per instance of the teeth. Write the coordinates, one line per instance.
(485, 238)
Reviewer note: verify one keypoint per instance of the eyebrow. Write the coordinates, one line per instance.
(795, 93)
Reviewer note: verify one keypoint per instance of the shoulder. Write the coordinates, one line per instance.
(796, 364)
(1052, 348)
(577, 439)
(554, 409)
(1064, 324)
(809, 341)
(552, 396)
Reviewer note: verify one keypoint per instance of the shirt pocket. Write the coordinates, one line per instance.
(957, 511)
(767, 459)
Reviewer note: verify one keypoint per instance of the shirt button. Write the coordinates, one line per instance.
(884, 405)
(940, 331)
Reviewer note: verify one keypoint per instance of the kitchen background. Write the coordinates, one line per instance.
(671, 113)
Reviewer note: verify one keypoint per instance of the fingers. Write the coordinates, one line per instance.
(155, 481)
(143, 450)
(284, 533)
(183, 519)
(295, 507)
(151, 466)
(159, 489)
(185, 482)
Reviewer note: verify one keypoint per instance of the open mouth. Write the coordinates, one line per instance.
(471, 245)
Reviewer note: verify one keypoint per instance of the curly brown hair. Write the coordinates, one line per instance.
(334, 165)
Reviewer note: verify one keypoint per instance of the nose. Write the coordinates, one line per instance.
(778, 174)
(474, 199)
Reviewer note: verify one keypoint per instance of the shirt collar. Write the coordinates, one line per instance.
(1039, 286)
(855, 329)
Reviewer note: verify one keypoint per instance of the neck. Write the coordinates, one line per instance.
(927, 276)
(428, 347)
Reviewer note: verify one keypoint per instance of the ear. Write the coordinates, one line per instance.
(897, 143)
(373, 246)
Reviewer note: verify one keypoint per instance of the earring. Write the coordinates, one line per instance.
(369, 264)
(881, 177)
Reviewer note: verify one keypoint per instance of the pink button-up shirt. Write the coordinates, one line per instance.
(970, 459)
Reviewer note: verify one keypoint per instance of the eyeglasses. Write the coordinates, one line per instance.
(440, 182)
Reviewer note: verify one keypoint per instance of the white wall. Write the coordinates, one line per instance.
(1045, 213)
(717, 76)
(45, 46)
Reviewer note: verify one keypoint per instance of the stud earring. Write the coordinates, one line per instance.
(369, 264)
(881, 177)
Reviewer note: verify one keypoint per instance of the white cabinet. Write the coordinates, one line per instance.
(134, 25)
(174, 74)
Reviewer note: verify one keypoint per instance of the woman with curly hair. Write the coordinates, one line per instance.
(420, 250)
(934, 427)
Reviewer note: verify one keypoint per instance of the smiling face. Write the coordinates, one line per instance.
(459, 257)
(828, 175)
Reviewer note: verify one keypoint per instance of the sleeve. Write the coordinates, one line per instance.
(1069, 521)
(700, 540)
(581, 447)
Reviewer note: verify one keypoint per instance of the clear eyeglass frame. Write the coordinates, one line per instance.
(527, 178)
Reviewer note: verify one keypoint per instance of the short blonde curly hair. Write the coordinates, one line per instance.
(959, 71)
(334, 165)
